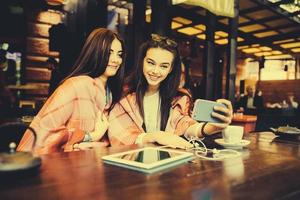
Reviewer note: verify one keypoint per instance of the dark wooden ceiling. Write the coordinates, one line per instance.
(269, 28)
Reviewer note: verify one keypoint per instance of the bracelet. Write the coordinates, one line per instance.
(87, 137)
(202, 130)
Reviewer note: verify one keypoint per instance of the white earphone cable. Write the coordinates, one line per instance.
(201, 151)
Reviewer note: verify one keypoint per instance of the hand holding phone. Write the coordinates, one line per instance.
(203, 109)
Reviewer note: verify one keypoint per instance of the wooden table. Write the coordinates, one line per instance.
(247, 121)
(267, 170)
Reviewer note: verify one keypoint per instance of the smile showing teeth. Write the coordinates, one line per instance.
(153, 78)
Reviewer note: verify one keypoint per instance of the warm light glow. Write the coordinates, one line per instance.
(201, 36)
(243, 19)
(175, 25)
(148, 18)
(201, 27)
(274, 70)
(290, 7)
(251, 50)
(276, 52)
(283, 56)
(148, 11)
(189, 31)
(264, 48)
(251, 28)
(239, 39)
(290, 45)
(265, 34)
(274, 1)
(273, 75)
(222, 33)
(182, 20)
(251, 70)
(222, 41)
(263, 54)
(296, 50)
(283, 41)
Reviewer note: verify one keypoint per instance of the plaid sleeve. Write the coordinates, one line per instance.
(122, 129)
(180, 119)
(50, 121)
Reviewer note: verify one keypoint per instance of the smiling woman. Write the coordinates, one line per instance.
(157, 66)
(76, 113)
(154, 109)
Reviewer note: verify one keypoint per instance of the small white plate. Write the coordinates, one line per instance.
(239, 145)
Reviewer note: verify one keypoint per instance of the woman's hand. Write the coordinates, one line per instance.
(101, 127)
(223, 114)
(168, 139)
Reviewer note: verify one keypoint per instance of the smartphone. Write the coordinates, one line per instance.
(202, 111)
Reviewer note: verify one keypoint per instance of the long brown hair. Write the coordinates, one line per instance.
(94, 57)
(168, 88)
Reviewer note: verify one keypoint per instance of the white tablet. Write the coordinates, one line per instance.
(149, 159)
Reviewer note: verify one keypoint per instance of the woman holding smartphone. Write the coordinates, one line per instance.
(153, 109)
(75, 115)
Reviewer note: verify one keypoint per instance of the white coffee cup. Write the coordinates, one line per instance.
(233, 134)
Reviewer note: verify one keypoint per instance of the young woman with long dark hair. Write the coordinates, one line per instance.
(76, 113)
(153, 108)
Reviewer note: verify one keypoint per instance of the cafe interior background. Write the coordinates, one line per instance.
(224, 49)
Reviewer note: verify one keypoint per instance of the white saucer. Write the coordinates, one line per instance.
(239, 145)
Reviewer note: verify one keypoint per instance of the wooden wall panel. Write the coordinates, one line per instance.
(38, 74)
(39, 46)
(37, 71)
(38, 30)
(37, 61)
(38, 89)
(277, 91)
(45, 17)
(37, 92)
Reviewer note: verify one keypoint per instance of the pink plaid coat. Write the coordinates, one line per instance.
(69, 112)
(125, 121)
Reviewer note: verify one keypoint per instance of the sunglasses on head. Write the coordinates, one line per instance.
(159, 38)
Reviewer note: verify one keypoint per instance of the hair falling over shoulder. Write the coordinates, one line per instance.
(93, 60)
(168, 89)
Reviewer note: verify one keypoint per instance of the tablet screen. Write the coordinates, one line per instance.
(148, 156)
(148, 159)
